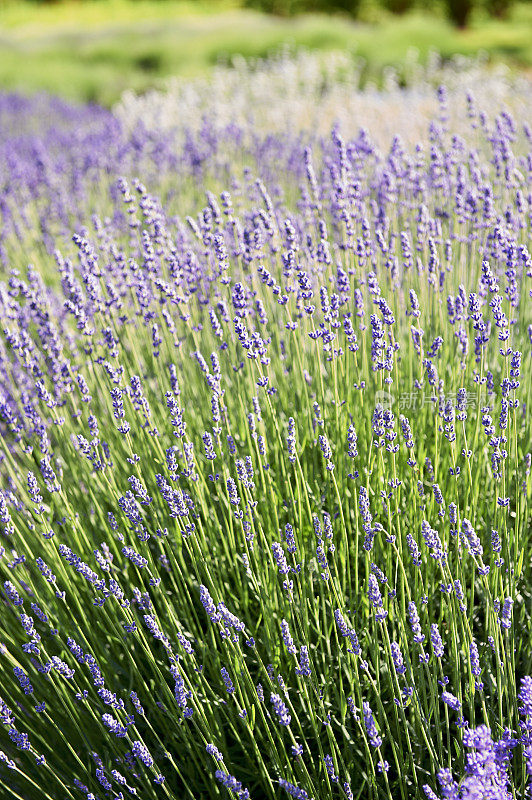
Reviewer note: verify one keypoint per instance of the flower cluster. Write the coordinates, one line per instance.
(231, 564)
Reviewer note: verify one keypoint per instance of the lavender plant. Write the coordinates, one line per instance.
(265, 467)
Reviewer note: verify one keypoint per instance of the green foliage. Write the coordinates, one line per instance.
(95, 51)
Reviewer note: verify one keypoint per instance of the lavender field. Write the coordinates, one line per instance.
(265, 380)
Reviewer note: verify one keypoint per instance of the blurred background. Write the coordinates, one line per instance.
(94, 50)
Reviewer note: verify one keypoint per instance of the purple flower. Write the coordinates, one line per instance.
(436, 640)
(329, 766)
(23, 680)
(398, 659)
(450, 700)
(287, 638)
(208, 604)
(414, 623)
(471, 539)
(280, 558)
(289, 538)
(141, 752)
(227, 681)
(280, 709)
(345, 630)
(375, 598)
(371, 729)
(12, 594)
(505, 617)
(133, 556)
(231, 783)
(213, 751)
(294, 791)
(20, 740)
(304, 668)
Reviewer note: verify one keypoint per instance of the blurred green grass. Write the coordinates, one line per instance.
(95, 50)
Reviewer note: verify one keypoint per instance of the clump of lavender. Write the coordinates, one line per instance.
(486, 770)
(265, 462)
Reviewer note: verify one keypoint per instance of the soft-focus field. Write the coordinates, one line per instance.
(94, 50)
(265, 476)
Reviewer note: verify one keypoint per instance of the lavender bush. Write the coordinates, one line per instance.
(266, 454)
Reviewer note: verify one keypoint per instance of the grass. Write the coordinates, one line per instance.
(94, 51)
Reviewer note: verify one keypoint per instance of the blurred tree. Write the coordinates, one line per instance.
(286, 8)
(398, 6)
(459, 11)
(352, 7)
(498, 8)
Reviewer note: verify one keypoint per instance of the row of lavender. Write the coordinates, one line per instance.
(266, 457)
